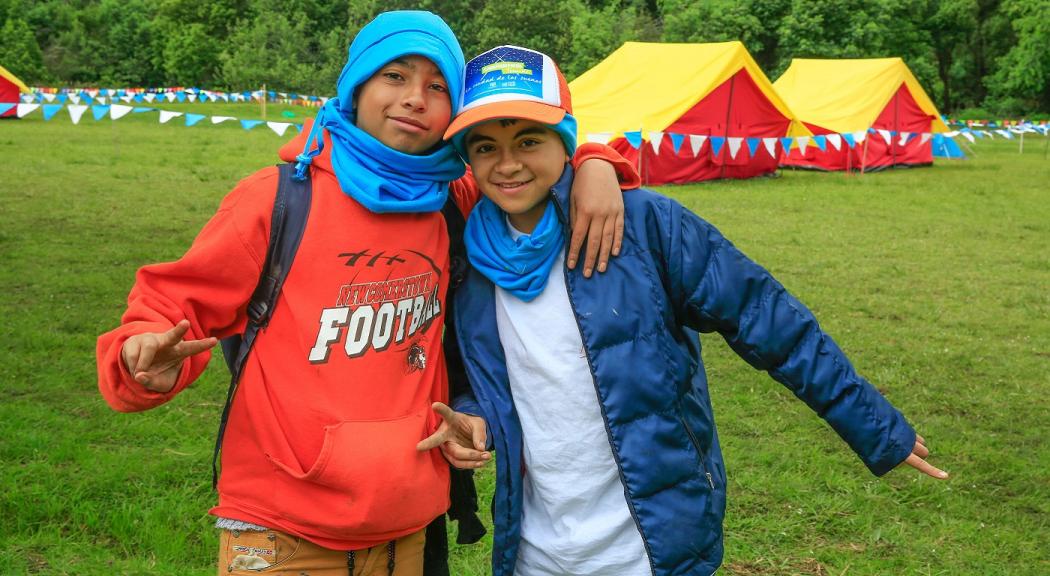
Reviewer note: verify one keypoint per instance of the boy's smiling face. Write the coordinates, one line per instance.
(515, 163)
(405, 105)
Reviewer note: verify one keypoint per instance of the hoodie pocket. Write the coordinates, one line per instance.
(368, 480)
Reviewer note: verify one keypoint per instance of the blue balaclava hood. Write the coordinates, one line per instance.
(379, 177)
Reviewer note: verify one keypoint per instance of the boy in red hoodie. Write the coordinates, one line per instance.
(321, 472)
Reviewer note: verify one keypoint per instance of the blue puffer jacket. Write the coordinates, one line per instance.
(675, 275)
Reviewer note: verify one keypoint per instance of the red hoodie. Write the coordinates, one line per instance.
(321, 438)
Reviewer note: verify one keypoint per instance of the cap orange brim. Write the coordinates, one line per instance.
(525, 110)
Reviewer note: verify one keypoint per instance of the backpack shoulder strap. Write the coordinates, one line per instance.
(291, 207)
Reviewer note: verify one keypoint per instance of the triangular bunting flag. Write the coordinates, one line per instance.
(1005, 134)
(180, 96)
(655, 138)
(835, 140)
(696, 142)
(221, 119)
(716, 145)
(676, 141)
(968, 136)
(5, 107)
(192, 119)
(166, 115)
(752, 145)
(76, 111)
(279, 127)
(118, 111)
(886, 136)
(821, 142)
(170, 96)
(150, 97)
(49, 98)
(859, 136)
(24, 109)
(634, 138)
(924, 138)
(734, 145)
(50, 110)
(140, 109)
(600, 137)
(785, 143)
(74, 98)
(99, 111)
(802, 142)
(192, 97)
(850, 141)
(249, 124)
(101, 99)
(905, 136)
(771, 146)
(127, 98)
(139, 98)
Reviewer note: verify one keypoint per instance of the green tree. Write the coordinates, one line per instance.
(951, 25)
(19, 52)
(545, 26)
(1022, 81)
(597, 32)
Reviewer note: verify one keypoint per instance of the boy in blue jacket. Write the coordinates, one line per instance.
(615, 366)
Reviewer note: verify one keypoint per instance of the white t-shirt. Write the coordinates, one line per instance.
(575, 518)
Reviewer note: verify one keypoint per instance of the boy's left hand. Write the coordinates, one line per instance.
(596, 215)
(917, 460)
(460, 436)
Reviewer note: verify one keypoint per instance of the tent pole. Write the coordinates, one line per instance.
(729, 109)
(263, 101)
(864, 155)
(1021, 150)
(896, 124)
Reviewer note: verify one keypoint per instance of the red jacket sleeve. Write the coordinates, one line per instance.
(625, 171)
(210, 286)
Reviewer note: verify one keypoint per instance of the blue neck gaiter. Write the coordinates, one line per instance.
(520, 266)
(380, 178)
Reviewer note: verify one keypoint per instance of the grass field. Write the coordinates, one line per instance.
(936, 282)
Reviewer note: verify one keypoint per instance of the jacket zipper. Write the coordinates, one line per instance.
(598, 395)
(696, 444)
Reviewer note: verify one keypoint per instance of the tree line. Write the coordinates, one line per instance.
(982, 57)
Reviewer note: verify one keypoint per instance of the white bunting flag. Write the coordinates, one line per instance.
(76, 111)
(92, 92)
(734, 146)
(835, 140)
(27, 98)
(150, 97)
(904, 138)
(802, 141)
(859, 136)
(655, 138)
(127, 98)
(192, 96)
(924, 138)
(111, 92)
(100, 99)
(278, 127)
(166, 115)
(221, 119)
(696, 142)
(951, 134)
(886, 135)
(170, 96)
(600, 137)
(49, 97)
(969, 137)
(75, 98)
(771, 146)
(24, 109)
(118, 111)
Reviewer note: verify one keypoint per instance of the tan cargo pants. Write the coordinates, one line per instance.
(276, 553)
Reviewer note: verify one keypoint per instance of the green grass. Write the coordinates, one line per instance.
(936, 282)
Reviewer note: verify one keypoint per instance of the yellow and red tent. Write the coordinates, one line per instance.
(684, 112)
(10, 87)
(876, 104)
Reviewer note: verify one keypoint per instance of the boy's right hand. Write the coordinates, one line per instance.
(154, 359)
